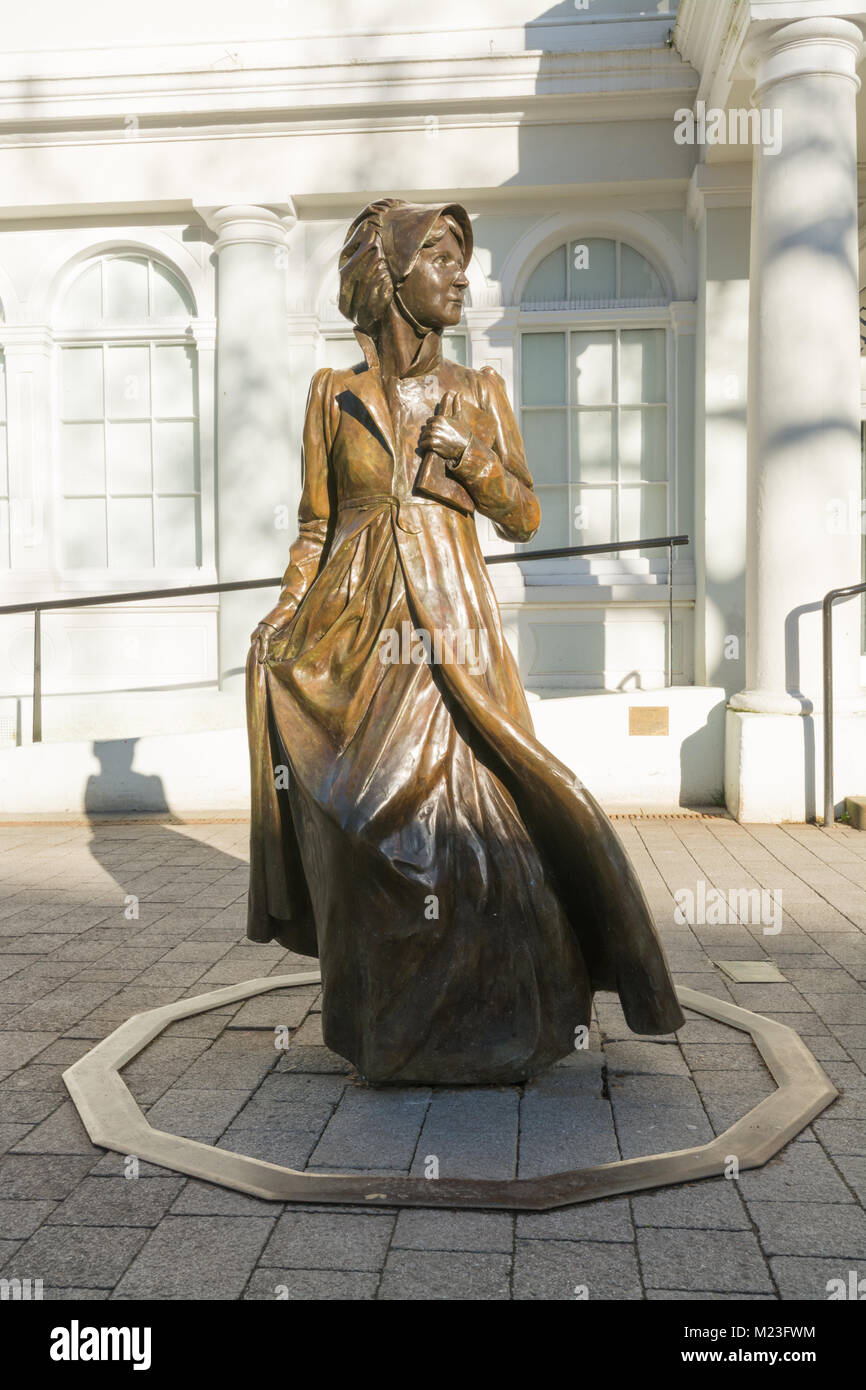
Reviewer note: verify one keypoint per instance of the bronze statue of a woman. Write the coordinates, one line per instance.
(463, 891)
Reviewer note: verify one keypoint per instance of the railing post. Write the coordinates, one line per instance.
(37, 676)
(827, 642)
(670, 614)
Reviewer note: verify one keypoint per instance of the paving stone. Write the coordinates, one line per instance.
(196, 1257)
(563, 1269)
(713, 1260)
(801, 1173)
(648, 1129)
(678, 1091)
(472, 1133)
(696, 1296)
(723, 1057)
(811, 1229)
(90, 1256)
(652, 1059)
(286, 1008)
(560, 1131)
(50, 1177)
(329, 1240)
(19, 1219)
(445, 1275)
(605, 1220)
(117, 1201)
(313, 1059)
(235, 1062)
(376, 1128)
(853, 1170)
(19, 1047)
(420, 1229)
(842, 1136)
(306, 1285)
(814, 1279)
(711, 1205)
(61, 1133)
(206, 1199)
(199, 1115)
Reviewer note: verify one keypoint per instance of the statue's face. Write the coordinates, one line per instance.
(434, 288)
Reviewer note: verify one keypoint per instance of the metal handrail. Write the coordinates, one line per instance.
(827, 640)
(233, 586)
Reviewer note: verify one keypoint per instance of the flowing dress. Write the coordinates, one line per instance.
(463, 891)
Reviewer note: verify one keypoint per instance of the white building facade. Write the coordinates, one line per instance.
(667, 271)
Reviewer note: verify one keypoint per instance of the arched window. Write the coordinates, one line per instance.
(5, 533)
(128, 418)
(594, 391)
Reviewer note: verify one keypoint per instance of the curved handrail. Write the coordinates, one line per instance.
(233, 586)
(827, 640)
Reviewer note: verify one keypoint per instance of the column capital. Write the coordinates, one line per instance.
(825, 47)
(25, 339)
(246, 223)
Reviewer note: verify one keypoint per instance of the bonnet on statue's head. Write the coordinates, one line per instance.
(381, 248)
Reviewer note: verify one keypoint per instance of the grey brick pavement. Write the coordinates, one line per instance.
(75, 961)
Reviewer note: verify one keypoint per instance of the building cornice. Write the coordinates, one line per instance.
(135, 104)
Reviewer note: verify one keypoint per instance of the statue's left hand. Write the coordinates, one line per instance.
(261, 639)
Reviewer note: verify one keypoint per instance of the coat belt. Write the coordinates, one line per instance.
(378, 501)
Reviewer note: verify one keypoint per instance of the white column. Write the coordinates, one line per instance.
(803, 414)
(254, 475)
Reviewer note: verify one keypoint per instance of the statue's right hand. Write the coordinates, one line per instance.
(261, 640)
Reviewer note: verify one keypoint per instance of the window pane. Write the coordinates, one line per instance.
(548, 282)
(592, 367)
(4, 469)
(2, 389)
(553, 530)
(81, 388)
(592, 456)
(129, 457)
(130, 533)
(643, 514)
(544, 434)
(642, 365)
(593, 268)
(173, 381)
(82, 449)
(593, 515)
(84, 533)
(4, 535)
(174, 452)
(128, 382)
(638, 280)
(177, 539)
(454, 348)
(82, 305)
(643, 445)
(126, 289)
(170, 299)
(543, 368)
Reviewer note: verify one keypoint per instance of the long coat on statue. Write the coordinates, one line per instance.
(464, 893)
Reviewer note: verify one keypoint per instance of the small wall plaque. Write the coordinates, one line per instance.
(648, 719)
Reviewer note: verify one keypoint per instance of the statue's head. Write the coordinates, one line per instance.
(410, 255)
